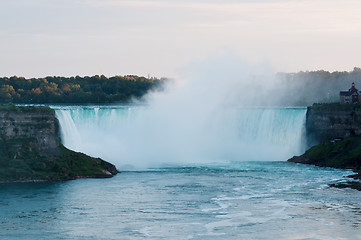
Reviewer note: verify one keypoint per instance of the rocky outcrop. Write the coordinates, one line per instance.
(31, 151)
(38, 123)
(345, 154)
(332, 121)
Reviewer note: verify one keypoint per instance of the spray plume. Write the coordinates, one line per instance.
(207, 116)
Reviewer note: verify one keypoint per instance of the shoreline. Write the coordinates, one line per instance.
(344, 154)
(57, 180)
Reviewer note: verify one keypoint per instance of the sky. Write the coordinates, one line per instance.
(159, 37)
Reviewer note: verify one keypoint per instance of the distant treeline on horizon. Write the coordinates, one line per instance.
(306, 88)
(95, 89)
(288, 89)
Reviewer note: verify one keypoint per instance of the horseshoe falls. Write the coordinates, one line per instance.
(136, 137)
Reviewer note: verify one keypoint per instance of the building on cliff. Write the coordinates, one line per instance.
(351, 96)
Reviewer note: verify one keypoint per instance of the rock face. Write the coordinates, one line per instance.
(332, 121)
(30, 149)
(39, 124)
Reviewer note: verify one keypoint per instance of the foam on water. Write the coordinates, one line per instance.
(251, 200)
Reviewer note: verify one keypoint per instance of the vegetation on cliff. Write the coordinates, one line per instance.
(10, 107)
(334, 106)
(344, 154)
(21, 161)
(95, 89)
(30, 149)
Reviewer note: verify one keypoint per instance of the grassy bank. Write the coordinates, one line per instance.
(20, 161)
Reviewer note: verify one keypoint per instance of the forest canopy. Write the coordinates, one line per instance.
(95, 89)
(287, 89)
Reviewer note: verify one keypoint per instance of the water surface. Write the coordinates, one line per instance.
(240, 200)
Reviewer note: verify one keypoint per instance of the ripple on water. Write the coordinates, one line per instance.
(189, 203)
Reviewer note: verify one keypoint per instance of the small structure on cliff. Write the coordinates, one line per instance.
(351, 96)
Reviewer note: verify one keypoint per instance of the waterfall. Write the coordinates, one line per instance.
(141, 137)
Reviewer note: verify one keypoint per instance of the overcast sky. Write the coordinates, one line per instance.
(159, 37)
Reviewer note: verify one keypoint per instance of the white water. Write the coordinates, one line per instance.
(140, 137)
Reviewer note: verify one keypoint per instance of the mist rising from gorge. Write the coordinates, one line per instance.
(205, 116)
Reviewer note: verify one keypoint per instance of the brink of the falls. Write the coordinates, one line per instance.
(137, 137)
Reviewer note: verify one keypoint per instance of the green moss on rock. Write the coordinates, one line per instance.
(343, 154)
(12, 107)
(334, 106)
(21, 161)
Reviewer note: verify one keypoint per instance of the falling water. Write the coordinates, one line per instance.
(134, 136)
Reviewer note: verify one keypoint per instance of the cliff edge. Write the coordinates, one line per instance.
(325, 122)
(30, 149)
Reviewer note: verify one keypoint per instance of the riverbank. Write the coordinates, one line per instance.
(344, 154)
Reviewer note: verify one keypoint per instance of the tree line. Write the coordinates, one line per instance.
(290, 89)
(306, 88)
(96, 89)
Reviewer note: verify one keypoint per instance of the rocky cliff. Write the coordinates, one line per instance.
(38, 123)
(31, 151)
(332, 121)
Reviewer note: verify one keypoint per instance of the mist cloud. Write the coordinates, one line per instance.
(207, 116)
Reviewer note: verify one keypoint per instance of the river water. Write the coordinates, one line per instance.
(243, 200)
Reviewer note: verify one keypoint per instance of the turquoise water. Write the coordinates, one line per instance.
(240, 200)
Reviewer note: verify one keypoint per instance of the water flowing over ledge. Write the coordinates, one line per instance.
(140, 137)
